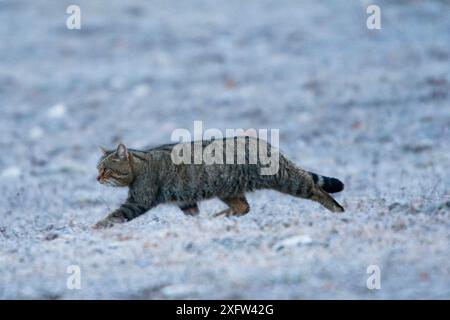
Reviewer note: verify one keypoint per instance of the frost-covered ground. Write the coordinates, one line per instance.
(369, 107)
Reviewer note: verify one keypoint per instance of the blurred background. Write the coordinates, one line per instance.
(370, 107)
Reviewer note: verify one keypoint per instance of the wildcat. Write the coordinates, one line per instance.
(154, 178)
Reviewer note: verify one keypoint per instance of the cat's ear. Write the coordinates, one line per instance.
(122, 152)
(103, 150)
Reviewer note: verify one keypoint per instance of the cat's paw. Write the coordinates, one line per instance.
(103, 224)
(107, 223)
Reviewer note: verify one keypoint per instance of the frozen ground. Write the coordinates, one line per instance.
(369, 107)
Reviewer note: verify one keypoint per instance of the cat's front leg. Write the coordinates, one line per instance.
(108, 222)
(126, 212)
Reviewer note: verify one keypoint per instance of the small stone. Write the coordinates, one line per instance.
(36, 133)
(51, 236)
(399, 225)
(396, 207)
(11, 172)
(444, 207)
(418, 147)
(293, 241)
(178, 290)
(141, 90)
(57, 111)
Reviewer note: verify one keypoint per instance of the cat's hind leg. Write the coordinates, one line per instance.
(238, 206)
(189, 209)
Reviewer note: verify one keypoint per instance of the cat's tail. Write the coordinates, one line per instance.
(330, 185)
(321, 196)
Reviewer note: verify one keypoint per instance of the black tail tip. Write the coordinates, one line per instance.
(333, 185)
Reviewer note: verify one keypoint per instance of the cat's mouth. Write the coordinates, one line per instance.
(101, 176)
(108, 182)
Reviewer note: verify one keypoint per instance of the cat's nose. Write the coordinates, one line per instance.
(100, 175)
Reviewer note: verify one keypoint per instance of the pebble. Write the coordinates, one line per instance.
(293, 241)
(57, 111)
(11, 172)
(36, 133)
(178, 290)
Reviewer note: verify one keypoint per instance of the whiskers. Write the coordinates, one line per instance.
(111, 182)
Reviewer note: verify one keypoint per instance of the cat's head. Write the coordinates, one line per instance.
(115, 167)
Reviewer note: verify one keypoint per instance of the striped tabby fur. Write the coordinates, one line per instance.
(153, 178)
